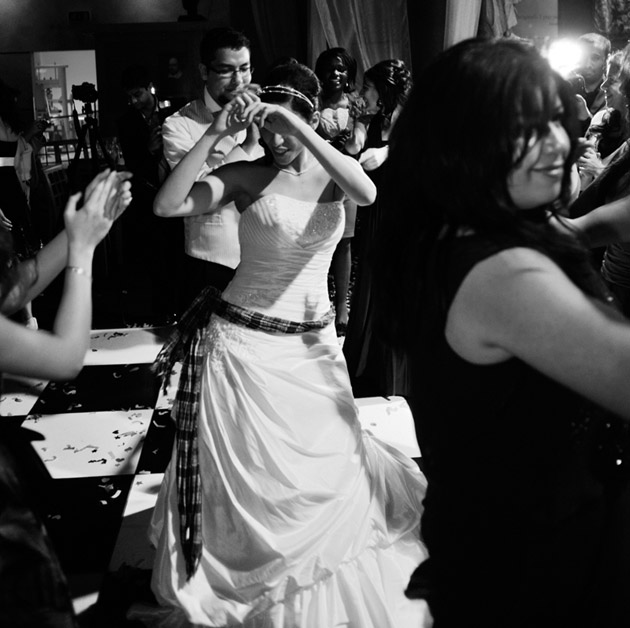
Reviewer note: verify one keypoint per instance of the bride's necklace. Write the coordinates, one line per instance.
(296, 173)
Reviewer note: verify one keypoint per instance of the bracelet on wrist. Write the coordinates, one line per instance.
(78, 270)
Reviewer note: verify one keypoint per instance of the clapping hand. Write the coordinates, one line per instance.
(105, 198)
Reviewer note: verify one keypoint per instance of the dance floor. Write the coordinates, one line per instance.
(106, 438)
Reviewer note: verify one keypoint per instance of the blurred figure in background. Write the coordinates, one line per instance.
(589, 75)
(152, 249)
(608, 129)
(373, 368)
(336, 70)
(177, 87)
(17, 145)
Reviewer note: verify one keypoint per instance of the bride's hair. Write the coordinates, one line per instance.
(294, 77)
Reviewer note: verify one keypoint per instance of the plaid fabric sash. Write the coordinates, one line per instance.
(186, 345)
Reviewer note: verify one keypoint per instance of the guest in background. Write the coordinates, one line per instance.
(17, 144)
(611, 184)
(608, 129)
(336, 70)
(152, 249)
(212, 251)
(176, 86)
(373, 367)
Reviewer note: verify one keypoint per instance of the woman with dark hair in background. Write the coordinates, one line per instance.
(277, 510)
(374, 368)
(518, 358)
(336, 70)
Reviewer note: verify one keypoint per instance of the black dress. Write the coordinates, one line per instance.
(527, 516)
(374, 368)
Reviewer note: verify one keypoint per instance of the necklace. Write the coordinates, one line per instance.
(296, 173)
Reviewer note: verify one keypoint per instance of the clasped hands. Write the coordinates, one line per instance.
(589, 161)
(246, 109)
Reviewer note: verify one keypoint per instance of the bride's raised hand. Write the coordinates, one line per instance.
(277, 119)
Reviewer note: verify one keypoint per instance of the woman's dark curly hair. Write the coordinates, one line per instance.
(392, 80)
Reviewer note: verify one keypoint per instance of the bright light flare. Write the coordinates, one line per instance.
(564, 56)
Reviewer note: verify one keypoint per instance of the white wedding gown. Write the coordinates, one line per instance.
(308, 521)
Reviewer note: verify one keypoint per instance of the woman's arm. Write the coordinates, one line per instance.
(59, 354)
(53, 257)
(356, 141)
(179, 195)
(519, 303)
(343, 170)
(605, 224)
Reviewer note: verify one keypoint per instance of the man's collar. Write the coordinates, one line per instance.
(210, 102)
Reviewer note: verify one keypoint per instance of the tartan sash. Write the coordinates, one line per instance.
(186, 345)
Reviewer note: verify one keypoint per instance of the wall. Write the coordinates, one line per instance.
(575, 17)
(81, 65)
(537, 20)
(46, 25)
(426, 30)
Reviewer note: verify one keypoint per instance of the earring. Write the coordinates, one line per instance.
(379, 103)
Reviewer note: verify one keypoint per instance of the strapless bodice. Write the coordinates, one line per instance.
(286, 249)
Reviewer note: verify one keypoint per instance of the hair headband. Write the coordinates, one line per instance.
(288, 91)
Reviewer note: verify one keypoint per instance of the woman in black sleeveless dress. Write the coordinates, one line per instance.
(519, 359)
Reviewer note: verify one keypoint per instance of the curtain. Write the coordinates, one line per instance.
(371, 30)
(602, 14)
(497, 18)
(462, 20)
(612, 19)
(278, 36)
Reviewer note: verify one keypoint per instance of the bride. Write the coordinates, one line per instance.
(277, 510)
